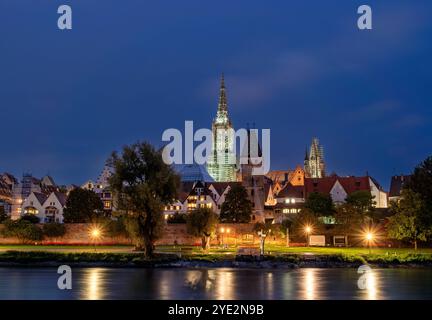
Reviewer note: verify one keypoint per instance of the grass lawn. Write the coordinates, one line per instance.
(273, 249)
(215, 250)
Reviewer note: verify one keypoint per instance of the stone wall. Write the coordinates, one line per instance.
(79, 233)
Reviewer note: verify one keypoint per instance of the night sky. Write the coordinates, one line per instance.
(130, 69)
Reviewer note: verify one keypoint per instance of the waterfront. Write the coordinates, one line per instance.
(217, 283)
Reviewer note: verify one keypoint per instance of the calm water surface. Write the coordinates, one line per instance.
(108, 283)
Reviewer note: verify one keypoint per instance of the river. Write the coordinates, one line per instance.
(218, 283)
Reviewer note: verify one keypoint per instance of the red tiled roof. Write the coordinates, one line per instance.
(290, 191)
(324, 185)
(352, 184)
(320, 185)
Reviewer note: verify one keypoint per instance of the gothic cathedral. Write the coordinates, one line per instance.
(222, 161)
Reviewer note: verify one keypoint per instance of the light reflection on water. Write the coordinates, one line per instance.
(134, 283)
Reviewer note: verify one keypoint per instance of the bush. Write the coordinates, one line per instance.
(117, 228)
(3, 215)
(22, 229)
(177, 218)
(54, 230)
(30, 218)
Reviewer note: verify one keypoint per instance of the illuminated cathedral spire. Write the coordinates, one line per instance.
(314, 161)
(222, 161)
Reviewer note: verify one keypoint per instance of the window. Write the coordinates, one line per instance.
(107, 204)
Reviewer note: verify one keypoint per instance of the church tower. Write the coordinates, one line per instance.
(314, 161)
(222, 161)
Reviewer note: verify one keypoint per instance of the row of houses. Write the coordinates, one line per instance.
(275, 196)
(45, 199)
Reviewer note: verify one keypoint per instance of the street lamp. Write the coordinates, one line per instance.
(95, 234)
(308, 230)
(369, 236)
(222, 231)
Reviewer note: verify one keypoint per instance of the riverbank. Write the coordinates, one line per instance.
(282, 261)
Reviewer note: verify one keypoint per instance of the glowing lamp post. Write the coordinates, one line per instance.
(369, 238)
(308, 231)
(95, 234)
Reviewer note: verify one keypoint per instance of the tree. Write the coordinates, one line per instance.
(3, 215)
(54, 230)
(421, 180)
(421, 183)
(407, 222)
(23, 230)
(306, 218)
(31, 218)
(82, 206)
(142, 184)
(237, 207)
(349, 219)
(177, 218)
(320, 204)
(361, 200)
(202, 223)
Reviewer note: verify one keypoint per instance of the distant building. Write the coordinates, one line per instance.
(200, 194)
(7, 182)
(102, 188)
(48, 208)
(314, 164)
(289, 202)
(28, 185)
(340, 187)
(221, 164)
(281, 178)
(193, 172)
(397, 184)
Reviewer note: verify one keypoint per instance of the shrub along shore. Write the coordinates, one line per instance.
(89, 259)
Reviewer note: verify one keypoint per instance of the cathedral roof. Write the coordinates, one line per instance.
(193, 172)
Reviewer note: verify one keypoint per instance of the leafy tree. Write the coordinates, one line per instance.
(421, 180)
(3, 215)
(320, 204)
(306, 218)
(177, 218)
(407, 222)
(82, 205)
(54, 230)
(142, 185)
(237, 207)
(421, 183)
(30, 218)
(117, 227)
(202, 223)
(361, 200)
(23, 230)
(349, 219)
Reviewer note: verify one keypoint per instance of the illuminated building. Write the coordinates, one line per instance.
(222, 161)
(314, 160)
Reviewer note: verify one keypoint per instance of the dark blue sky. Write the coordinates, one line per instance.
(130, 69)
